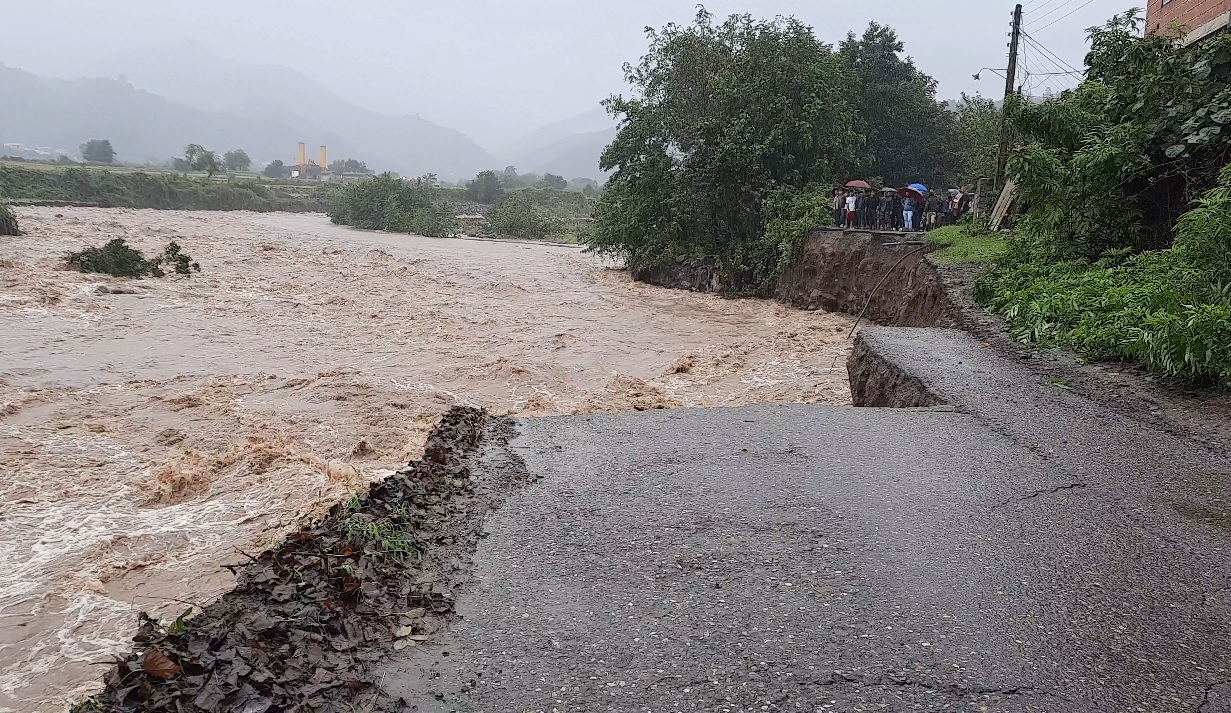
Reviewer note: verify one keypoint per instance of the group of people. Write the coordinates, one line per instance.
(889, 209)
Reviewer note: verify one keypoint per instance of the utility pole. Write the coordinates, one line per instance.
(1010, 80)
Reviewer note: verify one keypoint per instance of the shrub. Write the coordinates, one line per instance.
(517, 216)
(388, 203)
(1169, 309)
(8, 221)
(119, 259)
(138, 189)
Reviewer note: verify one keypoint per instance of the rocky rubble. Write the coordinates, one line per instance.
(307, 621)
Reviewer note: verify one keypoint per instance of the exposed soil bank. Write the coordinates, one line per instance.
(309, 620)
(838, 271)
(879, 382)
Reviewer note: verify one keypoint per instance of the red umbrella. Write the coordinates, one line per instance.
(858, 184)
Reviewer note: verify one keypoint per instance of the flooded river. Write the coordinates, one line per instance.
(152, 431)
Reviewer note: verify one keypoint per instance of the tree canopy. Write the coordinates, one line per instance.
(237, 160)
(909, 134)
(729, 125)
(276, 169)
(98, 151)
(349, 165)
(486, 187)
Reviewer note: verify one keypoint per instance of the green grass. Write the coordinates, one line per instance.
(130, 188)
(960, 247)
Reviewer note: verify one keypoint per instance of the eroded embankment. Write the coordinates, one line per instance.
(309, 619)
(877, 381)
(886, 276)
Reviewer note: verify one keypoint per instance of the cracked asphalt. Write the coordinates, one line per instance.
(1022, 549)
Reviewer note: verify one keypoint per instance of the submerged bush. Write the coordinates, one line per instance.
(389, 203)
(517, 216)
(8, 221)
(119, 259)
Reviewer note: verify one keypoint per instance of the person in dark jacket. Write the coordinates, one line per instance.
(871, 203)
(839, 207)
(931, 210)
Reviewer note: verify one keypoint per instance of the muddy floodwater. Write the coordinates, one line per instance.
(152, 431)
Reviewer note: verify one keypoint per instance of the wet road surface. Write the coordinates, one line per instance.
(1020, 550)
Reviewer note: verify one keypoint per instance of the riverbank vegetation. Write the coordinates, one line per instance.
(736, 133)
(109, 188)
(119, 259)
(8, 221)
(394, 204)
(1122, 249)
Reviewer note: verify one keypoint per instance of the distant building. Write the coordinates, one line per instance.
(1200, 18)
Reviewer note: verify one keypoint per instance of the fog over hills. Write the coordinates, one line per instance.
(152, 102)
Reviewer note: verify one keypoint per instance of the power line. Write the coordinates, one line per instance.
(1065, 17)
(1053, 11)
(1044, 5)
(1043, 48)
(1052, 55)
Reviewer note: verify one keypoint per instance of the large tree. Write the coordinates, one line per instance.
(199, 158)
(909, 133)
(98, 151)
(485, 188)
(728, 123)
(237, 160)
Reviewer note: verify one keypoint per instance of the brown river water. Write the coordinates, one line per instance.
(147, 438)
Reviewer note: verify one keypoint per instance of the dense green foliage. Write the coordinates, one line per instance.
(119, 259)
(276, 169)
(8, 221)
(97, 151)
(554, 181)
(1112, 256)
(519, 216)
(349, 165)
(485, 188)
(237, 160)
(727, 118)
(977, 138)
(394, 204)
(137, 189)
(910, 136)
(199, 158)
(1132, 146)
(736, 134)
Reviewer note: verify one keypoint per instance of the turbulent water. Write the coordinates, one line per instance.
(149, 437)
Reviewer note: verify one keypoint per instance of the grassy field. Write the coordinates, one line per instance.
(960, 247)
(128, 187)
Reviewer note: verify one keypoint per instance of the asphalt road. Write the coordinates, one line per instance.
(1021, 550)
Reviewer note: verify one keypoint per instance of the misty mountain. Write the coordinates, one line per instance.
(569, 148)
(572, 156)
(63, 113)
(190, 73)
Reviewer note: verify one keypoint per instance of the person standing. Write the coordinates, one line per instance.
(908, 213)
(931, 211)
(870, 206)
(839, 207)
(852, 210)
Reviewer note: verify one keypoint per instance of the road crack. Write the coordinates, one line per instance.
(1038, 493)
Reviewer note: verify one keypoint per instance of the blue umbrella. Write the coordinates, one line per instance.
(918, 187)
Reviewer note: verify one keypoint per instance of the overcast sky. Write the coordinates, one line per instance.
(495, 69)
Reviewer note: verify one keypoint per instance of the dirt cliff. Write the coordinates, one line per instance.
(839, 271)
